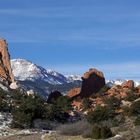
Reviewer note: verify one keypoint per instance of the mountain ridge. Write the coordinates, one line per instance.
(26, 70)
(44, 81)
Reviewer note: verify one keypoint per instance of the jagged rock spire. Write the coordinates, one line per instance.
(6, 74)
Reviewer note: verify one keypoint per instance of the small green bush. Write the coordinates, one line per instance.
(4, 101)
(86, 103)
(96, 132)
(64, 103)
(131, 97)
(106, 132)
(104, 89)
(29, 109)
(100, 114)
(119, 119)
(78, 128)
(101, 132)
(137, 121)
(126, 110)
(55, 113)
(113, 102)
(134, 109)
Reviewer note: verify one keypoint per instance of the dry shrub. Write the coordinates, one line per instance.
(78, 128)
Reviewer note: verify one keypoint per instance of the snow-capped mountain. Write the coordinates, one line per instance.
(110, 83)
(26, 70)
(72, 78)
(42, 81)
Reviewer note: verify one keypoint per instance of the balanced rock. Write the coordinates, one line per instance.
(128, 84)
(92, 82)
(5, 66)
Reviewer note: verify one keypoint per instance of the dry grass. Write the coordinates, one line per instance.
(23, 137)
(61, 137)
(47, 137)
(74, 129)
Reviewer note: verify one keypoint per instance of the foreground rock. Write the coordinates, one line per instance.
(5, 120)
(93, 81)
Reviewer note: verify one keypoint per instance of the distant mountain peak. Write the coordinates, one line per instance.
(110, 83)
(26, 70)
(73, 78)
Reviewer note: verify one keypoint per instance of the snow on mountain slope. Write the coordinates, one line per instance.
(26, 70)
(115, 82)
(72, 78)
(110, 83)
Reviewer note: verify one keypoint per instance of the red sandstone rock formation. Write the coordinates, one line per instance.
(5, 66)
(120, 92)
(77, 105)
(93, 81)
(138, 88)
(128, 84)
(74, 92)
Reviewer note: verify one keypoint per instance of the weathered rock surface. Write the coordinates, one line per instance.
(5, 66)
(74, 92)
(128, 84)
(138, 89)
(93, 81)
(119, 92)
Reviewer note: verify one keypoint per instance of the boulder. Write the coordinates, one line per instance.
(138, 89)
(30, 92)
(74, 92)
(53, 96)
(92, 82)
(128, 84)
(14, 85)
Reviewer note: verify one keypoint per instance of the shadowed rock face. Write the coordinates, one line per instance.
(54, 96)
(93, 81)
(5, 66)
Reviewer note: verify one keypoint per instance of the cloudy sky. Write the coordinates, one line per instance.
(70, 36)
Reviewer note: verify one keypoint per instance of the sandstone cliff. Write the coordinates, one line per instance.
(6, 75)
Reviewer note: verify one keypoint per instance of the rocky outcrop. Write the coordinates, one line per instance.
(93, 81)
(5, 66)
(53, 96)
(128, 84)
(138, 89)
(118, 92)
(74, 92)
